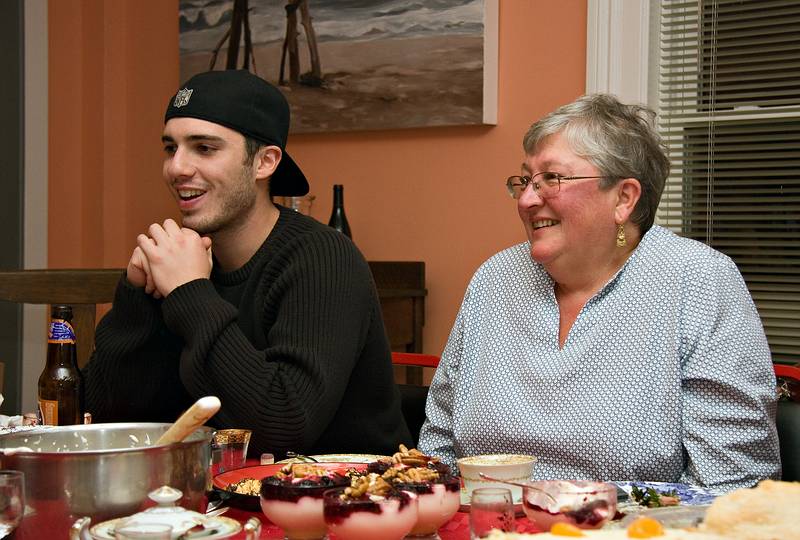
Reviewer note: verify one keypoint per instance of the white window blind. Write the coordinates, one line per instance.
(729, 111)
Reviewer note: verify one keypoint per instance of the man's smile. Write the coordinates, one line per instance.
(189, 194)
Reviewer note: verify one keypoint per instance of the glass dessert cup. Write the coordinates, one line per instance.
(359, 518)
(437, 503)
(584, 504)
(298, 508)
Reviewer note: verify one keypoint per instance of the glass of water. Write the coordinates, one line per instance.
(490, 508)
(12, 501)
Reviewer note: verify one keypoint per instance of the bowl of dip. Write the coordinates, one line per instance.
(511, 467)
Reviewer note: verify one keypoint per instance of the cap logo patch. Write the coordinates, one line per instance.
(182, 98)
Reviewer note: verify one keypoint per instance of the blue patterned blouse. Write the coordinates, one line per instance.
(665, 375)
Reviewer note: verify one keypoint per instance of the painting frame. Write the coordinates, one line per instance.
(399, 74)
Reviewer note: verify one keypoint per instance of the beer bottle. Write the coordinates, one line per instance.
(61, 382)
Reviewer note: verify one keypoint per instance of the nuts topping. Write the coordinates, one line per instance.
(298, 471)
(388, 475)
(412, 458)
(371, 484)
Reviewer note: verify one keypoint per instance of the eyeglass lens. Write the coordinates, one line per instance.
(546, 184)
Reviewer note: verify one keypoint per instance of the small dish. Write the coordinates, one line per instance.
(183, 522)
(216, 529)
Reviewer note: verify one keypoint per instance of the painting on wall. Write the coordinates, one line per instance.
(348, 65)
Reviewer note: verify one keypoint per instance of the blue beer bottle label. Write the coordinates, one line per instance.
(60, 332)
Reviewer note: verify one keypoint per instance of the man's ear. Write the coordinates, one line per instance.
(629, 191)
(266, 161)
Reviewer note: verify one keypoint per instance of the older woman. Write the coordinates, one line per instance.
(607, 346)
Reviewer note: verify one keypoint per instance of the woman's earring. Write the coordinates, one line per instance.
(621, 241)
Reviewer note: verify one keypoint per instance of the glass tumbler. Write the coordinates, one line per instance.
(229, 449)
(12, 501)
(490, 508)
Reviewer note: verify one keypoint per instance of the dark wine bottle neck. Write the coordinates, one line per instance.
(338, 196)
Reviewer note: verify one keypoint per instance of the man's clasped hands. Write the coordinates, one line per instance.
(167, 257)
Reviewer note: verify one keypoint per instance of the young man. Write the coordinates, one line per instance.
(282, 322)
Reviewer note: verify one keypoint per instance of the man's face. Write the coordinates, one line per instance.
(204, 170)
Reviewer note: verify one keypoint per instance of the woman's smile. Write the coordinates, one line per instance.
(542, 223)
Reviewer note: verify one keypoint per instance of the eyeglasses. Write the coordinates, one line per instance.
(546, 184)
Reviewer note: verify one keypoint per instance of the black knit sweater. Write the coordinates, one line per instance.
(292, 343)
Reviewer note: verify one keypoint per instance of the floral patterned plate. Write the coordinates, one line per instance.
(691, 510)
(689, 495)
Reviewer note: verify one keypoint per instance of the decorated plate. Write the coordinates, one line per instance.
(214, 528)
(689, 495)
(677, 517)
(338, 458)
(221, 482)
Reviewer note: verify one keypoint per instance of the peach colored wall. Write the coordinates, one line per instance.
(434, 195)
(112, 65)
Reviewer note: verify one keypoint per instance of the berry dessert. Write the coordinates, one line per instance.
(587, 505)
(438, 491)
(370, 505)
(292, 498)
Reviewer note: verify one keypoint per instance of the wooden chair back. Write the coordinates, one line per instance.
(401, 289)
(83, 289)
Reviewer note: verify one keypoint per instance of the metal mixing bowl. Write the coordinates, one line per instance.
(102, 471)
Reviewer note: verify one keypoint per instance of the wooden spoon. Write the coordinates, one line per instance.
(194, 417)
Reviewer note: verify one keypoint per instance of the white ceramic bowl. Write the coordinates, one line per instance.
(511, 467)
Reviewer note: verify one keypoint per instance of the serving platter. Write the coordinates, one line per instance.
(252, 502)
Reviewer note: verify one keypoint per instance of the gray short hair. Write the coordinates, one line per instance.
(620, 140)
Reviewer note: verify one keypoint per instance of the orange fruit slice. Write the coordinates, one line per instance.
(565, 529)
(645, 527)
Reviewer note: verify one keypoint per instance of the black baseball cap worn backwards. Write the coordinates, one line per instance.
(246, 103)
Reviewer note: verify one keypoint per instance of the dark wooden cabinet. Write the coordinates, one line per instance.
(401, 289)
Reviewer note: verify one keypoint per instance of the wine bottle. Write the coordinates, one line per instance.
(61, 383)
(338, 218)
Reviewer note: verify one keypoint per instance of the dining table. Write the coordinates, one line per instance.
(455, 529)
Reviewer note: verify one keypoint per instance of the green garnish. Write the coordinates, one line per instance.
(651, 498)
